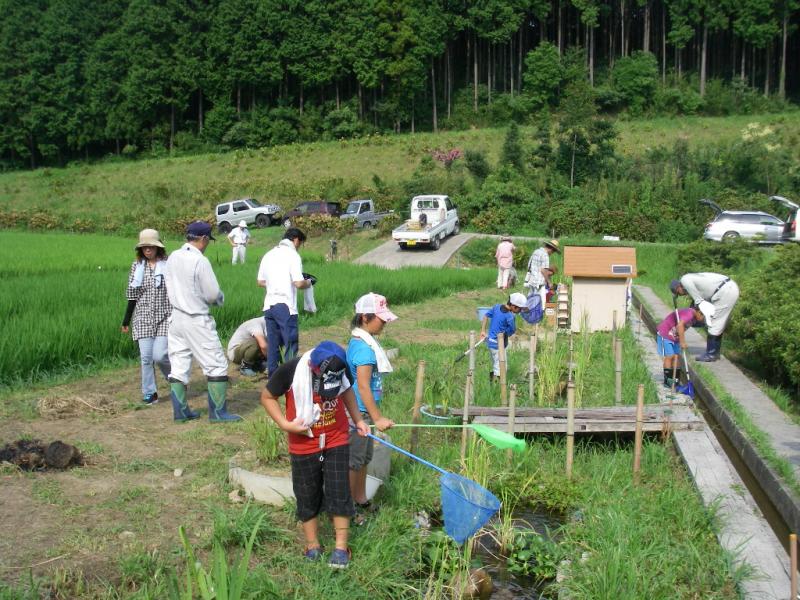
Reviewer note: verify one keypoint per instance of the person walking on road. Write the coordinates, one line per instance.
(505, 262)
(248, 346)
(281, 273)
(192, 288)
(715, 295)
(238, 238)
(149, 309)
(317, 391)
(539, 270)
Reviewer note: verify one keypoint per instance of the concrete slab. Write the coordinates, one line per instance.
(390, 256)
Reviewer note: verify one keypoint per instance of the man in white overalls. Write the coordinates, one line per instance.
(192, 288)
(238, 238)
(715, 295)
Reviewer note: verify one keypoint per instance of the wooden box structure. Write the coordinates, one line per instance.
(601, 276)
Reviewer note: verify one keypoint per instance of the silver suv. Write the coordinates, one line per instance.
(246, 209)
(752, 225)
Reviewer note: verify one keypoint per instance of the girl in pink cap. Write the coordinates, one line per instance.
(368, 363)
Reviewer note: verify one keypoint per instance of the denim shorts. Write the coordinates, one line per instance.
(667, 347)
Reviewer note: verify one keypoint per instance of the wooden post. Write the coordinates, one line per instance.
(532, 364)
(469, 392)
(570, 426)
(571, 364)
(418, 391)
(501, 350)
(512, 416)
(793, 564)
(613, 331)
(618, 372)
(637, 444)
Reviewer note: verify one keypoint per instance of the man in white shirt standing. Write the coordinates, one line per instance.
(192, 288)
(281, 273)
(238, 238)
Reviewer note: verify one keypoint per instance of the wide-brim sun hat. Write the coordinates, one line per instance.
(149, 237)
(554, 245)
(375, 304)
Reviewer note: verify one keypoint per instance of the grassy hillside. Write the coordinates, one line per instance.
(119, 195)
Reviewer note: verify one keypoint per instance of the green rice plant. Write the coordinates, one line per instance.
(551, 365)
(582, 359)
(143, 571)
(224, 581)
(28, 589)
(268, 439)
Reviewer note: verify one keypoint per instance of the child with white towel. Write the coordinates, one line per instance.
(368, 363)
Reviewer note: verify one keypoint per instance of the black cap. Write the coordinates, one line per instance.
(327, 382)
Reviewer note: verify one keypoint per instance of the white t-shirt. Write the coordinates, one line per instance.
(239, 235)
(280, 268)
(245, 331)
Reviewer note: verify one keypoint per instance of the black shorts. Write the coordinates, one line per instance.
(322, 484)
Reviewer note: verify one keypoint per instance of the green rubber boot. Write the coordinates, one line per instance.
(217, 403)
(180, 407)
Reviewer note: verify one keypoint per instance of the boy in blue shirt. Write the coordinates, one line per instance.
(368, 363)
(501, 319)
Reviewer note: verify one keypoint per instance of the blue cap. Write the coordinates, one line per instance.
(329, 362)
(199, 229)
(673, 286)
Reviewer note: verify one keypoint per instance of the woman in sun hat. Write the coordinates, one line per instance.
(368, 363)
(539, 270)
(238, 238)
(149, 309)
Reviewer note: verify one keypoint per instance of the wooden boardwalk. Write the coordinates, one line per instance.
(657, 417)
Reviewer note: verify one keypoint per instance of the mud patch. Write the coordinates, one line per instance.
(33, 455)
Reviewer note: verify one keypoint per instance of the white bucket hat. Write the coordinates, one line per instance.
(518, 300)
(149, 237)
(243, 224)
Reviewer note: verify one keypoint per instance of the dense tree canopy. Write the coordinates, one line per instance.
(83, 79)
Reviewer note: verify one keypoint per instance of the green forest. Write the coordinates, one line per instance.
(85, 79)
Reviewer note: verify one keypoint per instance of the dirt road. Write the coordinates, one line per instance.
(390, 256)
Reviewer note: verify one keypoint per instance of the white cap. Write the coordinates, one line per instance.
(375, 304)
(243, 224)
(518, 300)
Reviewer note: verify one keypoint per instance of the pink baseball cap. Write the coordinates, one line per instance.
(375, 304)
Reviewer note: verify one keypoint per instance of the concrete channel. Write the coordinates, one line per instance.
(725, 482)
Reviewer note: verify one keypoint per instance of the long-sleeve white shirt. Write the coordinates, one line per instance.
(191, 284)
(702, 286)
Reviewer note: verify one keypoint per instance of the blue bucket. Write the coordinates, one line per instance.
(482, 312)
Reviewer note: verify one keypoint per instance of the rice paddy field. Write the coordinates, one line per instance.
(110, 529)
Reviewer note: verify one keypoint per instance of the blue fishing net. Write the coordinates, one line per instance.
(534, 311)
(466, 506)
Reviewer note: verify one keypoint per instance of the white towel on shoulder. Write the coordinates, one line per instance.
(304, 404)
(384, 366)
(158, 274)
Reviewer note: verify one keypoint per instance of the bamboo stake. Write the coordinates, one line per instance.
(468, 394)
(501, 349)
(793, 564)
(637, 445)
(570, 426)
(512, 416)
(571, 364)
(618, 372)
(613, 331)
(532, 364)
(418, 391)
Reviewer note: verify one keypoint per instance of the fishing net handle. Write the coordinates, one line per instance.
(408, 454)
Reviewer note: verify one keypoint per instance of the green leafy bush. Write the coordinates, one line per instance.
(635, 78)
(729, 257)
(543, 74)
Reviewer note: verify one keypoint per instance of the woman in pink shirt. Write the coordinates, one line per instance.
(505, 261)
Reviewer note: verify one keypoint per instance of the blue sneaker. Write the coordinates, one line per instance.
(313, 554)
(340, 558)
(247, 371)
(150, 399)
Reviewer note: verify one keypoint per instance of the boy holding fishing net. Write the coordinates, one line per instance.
(499, 322)
(317, 391)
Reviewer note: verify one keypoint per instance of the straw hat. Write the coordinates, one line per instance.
(149, 237)
(554, 245)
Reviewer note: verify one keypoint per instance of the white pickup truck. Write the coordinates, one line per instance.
(432, 219)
